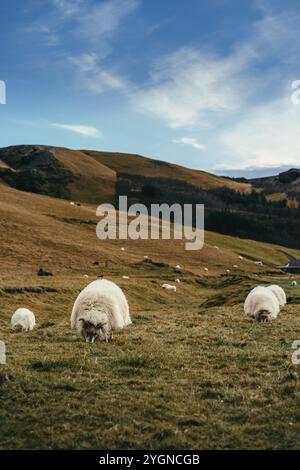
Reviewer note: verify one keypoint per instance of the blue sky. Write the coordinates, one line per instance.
(203, 83)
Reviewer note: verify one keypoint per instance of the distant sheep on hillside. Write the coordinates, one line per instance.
(279, 294)
(100, 309)
(23, 320)
(294, 283)
(261, 305)
(177, 281)
(169, 287)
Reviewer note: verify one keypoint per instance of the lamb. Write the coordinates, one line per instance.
(169, 287)
(261, 304)
(23, 320)
(100, 309)
(279, 294)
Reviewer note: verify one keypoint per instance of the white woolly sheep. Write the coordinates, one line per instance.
(178, 266)
(261, 305)
(85, 276)
(241, 257)
(258, 263)
(100, 309)
(227, 271)
(294, 283)
(23, 320)
(279, 294)
(169, 287)
(235, 266)
(122, 249)
(177, 281)
(206, 270)
(125, 277)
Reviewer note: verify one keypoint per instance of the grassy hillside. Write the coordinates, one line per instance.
(39, 231)
(58, 172)
(141, 166)
(191, 372)
(87, 176)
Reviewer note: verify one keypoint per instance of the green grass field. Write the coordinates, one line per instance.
(190, 373)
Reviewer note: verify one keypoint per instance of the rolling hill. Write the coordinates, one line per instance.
(58, 236)
(57, 172)
(88, 176)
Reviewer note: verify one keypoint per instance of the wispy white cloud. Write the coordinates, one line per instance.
(267, 136)
(85, 131)
(104, 19)
(190, 88)
(191, 141)
(187, 86)
(93, 76)
(68, 8)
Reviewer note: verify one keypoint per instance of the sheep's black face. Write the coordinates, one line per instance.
(18, 328)
(263, 316)
(98, 332)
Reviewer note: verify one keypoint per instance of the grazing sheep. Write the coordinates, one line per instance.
(177, 281)
(100, 309)
(122, 249)
(279, 294)
(169, 287)
(23, 320)
(227, 271)
(216, 247)
(241, 257)
(178, 267)
(72, 203)
(85, 276)
(258, 263)
(206, 270)
(125, 277)
(146, 257)
(294, 283)
(261, 305)
(235, 266)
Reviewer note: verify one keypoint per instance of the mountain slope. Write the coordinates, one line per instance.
(57, 172)
(138, 165)
(57, 236)
(88, 176)
(284, 186)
